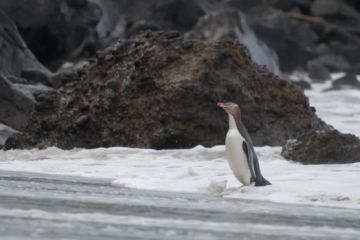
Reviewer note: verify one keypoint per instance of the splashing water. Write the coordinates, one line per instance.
(258, 50)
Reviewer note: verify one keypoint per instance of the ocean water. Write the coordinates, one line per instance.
(340, 108)
(205, 170)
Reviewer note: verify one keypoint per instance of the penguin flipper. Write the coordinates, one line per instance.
(259, 179)
(250, 160)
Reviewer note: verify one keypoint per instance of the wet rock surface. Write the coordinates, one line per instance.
(323, 147)
(349, 81)
(15, 55)
(15, 105)
(301, 31)
(21, 76)
(55, 30)
(159, 90)
(317, 71)
(5, 133)
(129, 17)
(17, 102)
(298, 31)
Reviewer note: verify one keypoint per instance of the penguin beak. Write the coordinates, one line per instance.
(221, 104)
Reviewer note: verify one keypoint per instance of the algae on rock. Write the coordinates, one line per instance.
(158, 90)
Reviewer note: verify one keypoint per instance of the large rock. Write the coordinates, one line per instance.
(354, 3)
(160, 91)
(256, 5)
(323, 147)
(15, 55)
(336, 10)
(341, 32)
(55, 30)
(248, 6)
(349, 81)
(302, 30)
(5, 133)
(317, 71)
(336, 63)
(127, 17)
(17, 101)
(16, 92)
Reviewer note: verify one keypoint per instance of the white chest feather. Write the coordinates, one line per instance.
(236, 157)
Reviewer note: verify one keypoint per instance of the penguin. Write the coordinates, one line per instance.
(240, 151)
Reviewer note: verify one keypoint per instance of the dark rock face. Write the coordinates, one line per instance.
(55, 30)
(335, 9)
(298, 77)
(15, 55)
(303, 84)
(5, 132)
(181, 15)
(15, 106)
(298, 30)
(21, 76)
(160, 91)
(249, 5)
(37, 76)
(317, 71)
(349, 81)
(321, 147)
(302, 30)
(127, 17)
(17, 101)
(333, 62)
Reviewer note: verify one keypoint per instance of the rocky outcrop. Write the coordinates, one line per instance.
(15, 55)
(155, 72)
(17, 101)
(302, 31)
(349, 81)
(5, 132)
(321, 147)
(298, 31)
(337, 12)
(317, 71)
(122, 19)
(21, 76)
(55, 30)
(159, 90)
(299, 77)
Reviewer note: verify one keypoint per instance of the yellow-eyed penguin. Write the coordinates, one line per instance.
(240, 152)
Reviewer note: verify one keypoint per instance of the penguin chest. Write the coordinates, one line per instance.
(236, 157)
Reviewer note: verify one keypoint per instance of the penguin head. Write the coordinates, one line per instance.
(231, 108)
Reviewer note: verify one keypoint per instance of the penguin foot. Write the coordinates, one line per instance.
(260, 182)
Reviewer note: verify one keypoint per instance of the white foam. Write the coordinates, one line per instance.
(202, 170)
